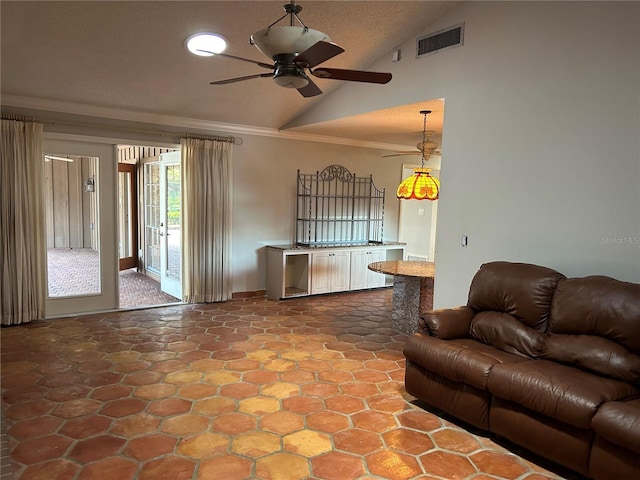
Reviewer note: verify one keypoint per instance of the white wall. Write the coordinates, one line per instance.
(265, 170)
(541, 149)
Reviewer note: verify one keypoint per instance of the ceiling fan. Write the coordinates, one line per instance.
(427, 149)
(296, 50)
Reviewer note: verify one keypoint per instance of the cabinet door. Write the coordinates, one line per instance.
(330, 271)
(361, 276)
(340, 262)
(359, 270)
(375, 279)
(320, 272)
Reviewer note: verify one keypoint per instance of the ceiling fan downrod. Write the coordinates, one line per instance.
(292, 10)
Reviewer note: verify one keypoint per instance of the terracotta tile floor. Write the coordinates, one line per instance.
(74, 271)
(253, 388)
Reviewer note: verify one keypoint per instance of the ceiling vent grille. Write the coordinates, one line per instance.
(433, 42)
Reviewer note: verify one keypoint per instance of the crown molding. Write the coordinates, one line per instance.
(101, 112)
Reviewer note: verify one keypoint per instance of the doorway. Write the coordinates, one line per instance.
(152, 277)
(418, 220)
(95, 228)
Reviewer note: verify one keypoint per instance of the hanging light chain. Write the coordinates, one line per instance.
(424, 134)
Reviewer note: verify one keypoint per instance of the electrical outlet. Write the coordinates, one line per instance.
(421, 211)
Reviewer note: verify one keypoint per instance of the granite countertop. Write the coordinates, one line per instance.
(405, 268)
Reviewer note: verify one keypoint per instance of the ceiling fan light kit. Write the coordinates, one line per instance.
(421, 185)
(273, 41)
(296, 51)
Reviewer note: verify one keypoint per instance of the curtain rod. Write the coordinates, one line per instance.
(213, 137)
(17, 118)
(173, 135)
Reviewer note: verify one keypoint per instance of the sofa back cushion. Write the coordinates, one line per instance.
(507, 333)
(522, 290)
(596, 354)
(595, 325)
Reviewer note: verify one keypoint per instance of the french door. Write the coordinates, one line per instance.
(162, 220)
(170, 224)
(82, 252)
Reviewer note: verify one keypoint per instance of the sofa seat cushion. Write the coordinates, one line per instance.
(619, 423)
(463, 360)
(558, 391)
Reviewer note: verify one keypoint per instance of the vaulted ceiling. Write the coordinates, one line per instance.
(130, 57)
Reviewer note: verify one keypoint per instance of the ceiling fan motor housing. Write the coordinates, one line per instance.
(289, 75)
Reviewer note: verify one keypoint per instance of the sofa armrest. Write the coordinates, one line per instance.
(447, 323)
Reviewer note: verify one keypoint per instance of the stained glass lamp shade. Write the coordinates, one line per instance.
(419, 186)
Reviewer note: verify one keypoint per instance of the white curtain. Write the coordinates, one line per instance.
(206, 214)
(23, 282)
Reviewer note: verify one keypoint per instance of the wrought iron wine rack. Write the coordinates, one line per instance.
(336, 208)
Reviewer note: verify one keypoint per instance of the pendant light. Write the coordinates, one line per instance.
(420, 185)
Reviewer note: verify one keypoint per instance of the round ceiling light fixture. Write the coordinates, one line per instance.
(206, 44)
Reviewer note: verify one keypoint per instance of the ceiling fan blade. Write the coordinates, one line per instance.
(400, 154)
(239, 79)
(310, 90)
(352, 75)
(427, 154)
(48, 158)
(317, 53)
(255, 62)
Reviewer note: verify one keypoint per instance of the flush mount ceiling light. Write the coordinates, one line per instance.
(420, 185)
(206, 44)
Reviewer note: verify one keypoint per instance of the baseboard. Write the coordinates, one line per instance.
(256, 293)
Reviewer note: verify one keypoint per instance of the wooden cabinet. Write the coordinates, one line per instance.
(330, 271)
(295, 271)
(361, 276)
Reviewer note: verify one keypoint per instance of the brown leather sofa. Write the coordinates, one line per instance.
(550, 363)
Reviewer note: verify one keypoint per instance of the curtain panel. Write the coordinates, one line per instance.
(23, 281)
(206, 214)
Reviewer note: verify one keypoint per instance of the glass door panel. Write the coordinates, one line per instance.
(80, 219)
(72, 214)
(152, 217)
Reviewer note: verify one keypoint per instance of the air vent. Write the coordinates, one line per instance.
(450, 37)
